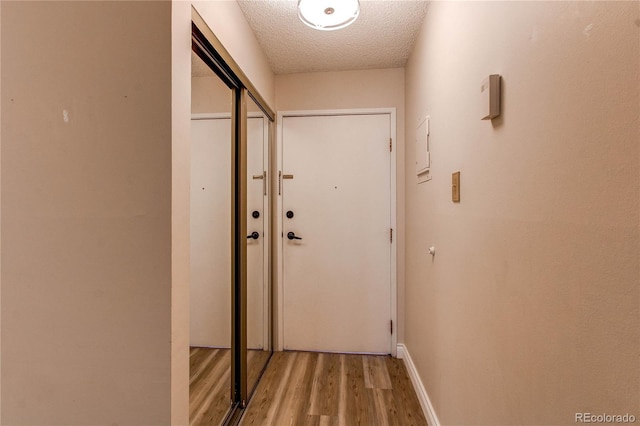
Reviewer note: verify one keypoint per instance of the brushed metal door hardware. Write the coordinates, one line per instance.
(263, 176)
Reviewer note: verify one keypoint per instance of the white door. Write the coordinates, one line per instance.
(257, 128)
(210, 289)
(336, 196)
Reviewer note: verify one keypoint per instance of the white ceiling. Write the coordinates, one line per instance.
(382, 36)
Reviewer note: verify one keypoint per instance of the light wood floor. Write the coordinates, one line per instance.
(210, 382)
(304, 388)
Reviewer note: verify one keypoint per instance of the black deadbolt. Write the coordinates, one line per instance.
(289, 214)
(254, 235)
(255, 214)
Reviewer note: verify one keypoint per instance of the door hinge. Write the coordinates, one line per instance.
(390, 144)
(391, 235)
(391, 326)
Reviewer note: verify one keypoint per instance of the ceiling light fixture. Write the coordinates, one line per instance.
(328, 15)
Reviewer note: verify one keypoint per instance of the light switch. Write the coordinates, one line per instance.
(455, 187)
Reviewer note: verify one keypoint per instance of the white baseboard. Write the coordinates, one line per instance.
(425, 402)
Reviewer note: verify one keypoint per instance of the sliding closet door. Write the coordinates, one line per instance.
(211, 247)
(258, 244)
(230, 233)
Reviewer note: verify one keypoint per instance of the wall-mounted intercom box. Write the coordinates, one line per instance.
(423, 156)
(490, 97)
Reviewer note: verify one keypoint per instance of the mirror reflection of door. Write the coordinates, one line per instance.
(258, 324)
(210, 287)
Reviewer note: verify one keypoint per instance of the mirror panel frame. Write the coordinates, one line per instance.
(207, 46)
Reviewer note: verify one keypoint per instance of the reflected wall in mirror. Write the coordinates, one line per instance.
(258, 244)
(210, 287)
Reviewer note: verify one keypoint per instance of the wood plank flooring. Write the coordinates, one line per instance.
(209, 385)
(317, 389)
(210, 382)
(256, 359)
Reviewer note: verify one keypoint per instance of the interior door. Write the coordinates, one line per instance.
(210, 291)
(336, 205)
(211, 237)
(256, 201)
(258, 243)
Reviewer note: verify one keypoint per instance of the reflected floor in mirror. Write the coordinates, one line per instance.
(209, 382)
(308, 388)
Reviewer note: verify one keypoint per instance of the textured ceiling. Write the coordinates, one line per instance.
(382, 36)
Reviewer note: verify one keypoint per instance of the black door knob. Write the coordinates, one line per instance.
(255, 214)
(253, 235)
(289, 214)
(292, 236)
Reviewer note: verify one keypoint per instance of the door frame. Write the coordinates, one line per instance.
(279, 258)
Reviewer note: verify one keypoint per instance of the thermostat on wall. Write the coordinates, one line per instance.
(490, 97)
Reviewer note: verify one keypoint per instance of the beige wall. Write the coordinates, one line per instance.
(0, 215)
(209, 95)
(86, 213)
(380, 88)
(180, 211)
(529, 311)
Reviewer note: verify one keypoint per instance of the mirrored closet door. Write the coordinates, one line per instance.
(230, 287)
(211, 231)
(258, 238)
